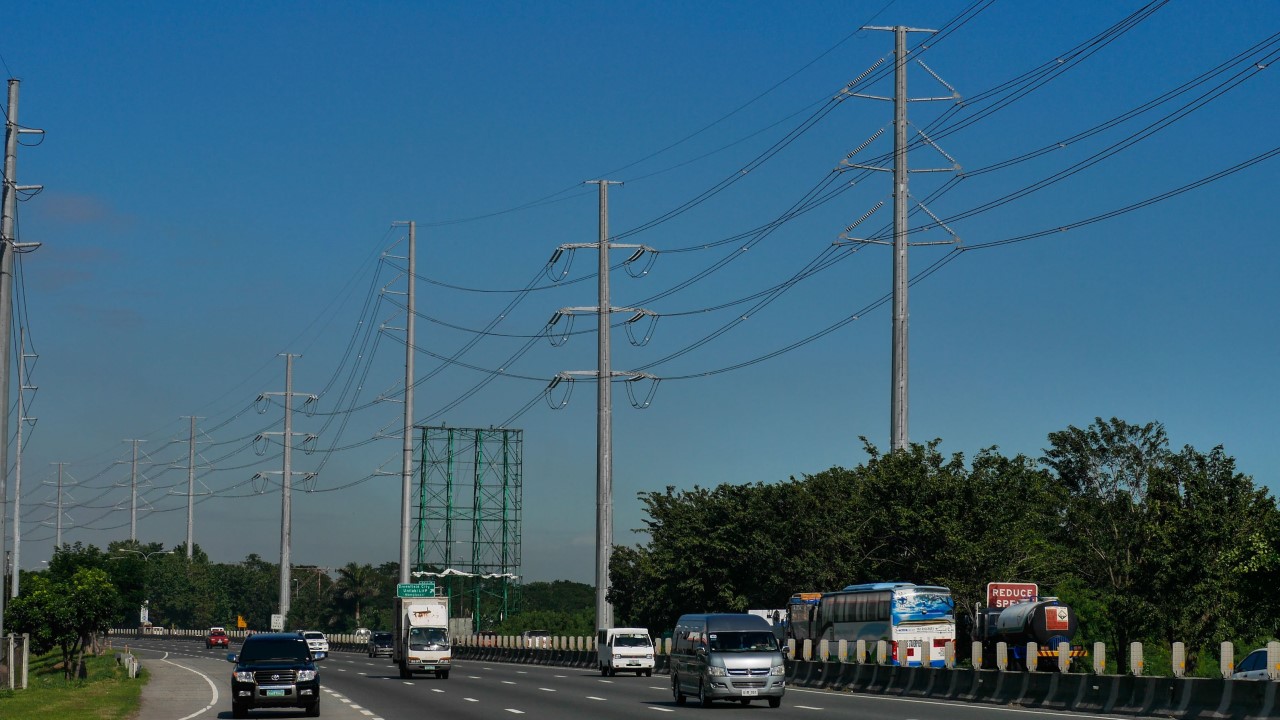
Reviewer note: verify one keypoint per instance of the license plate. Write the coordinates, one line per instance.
(750, 693)
(275, 693)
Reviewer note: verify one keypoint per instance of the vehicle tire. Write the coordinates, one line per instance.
(604, 671)
(313, 710)
(613, 672)
(775, 702)
(404, 672)
(703, 699)
(675, 689)
(238, 710)
(443, 674)
(745, 701)
(648, 673)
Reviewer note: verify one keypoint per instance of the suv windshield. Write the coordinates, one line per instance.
(269, 650)
(750, 641)
(382, 638)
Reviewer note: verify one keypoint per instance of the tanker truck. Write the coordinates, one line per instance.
(1044, 621)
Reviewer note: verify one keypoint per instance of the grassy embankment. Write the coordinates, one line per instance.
(106, 694)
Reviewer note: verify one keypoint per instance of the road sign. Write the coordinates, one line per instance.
(416, 590)
(143, 614)
(1004, 594)
(240, 623)
(277, 622)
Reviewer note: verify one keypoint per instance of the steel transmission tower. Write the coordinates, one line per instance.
(604, 402)
(286, 477)
(898, 401)
(8, 246)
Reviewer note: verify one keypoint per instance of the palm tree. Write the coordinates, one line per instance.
(357, 584)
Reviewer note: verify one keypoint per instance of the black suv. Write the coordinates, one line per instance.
(380, 644)
(275, 670)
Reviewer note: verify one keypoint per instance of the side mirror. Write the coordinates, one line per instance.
(319, 656)
(700, 652)
(231, 657)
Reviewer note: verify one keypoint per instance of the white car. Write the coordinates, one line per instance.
(1252, 667)
(316, 641)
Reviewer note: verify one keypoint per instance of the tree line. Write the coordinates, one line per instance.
(1146, 542)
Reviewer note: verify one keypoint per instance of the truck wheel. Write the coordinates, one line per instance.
(675, 689)
(648, 673)
(775, 702)
(604, 671)
(443, 674)
(404, 672)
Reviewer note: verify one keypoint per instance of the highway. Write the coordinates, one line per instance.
(356, 686)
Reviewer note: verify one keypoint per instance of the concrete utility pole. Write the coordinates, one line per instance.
(8, 245)
(898, 399)
(58, 536)
(286, 481)
(406, 459)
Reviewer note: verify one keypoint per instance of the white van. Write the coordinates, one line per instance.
(624, 649)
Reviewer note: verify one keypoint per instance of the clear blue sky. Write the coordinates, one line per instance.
(220, 181)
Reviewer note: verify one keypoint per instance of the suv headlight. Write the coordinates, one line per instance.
(716, 671)
(306, 675)
(244, 675)
(778, 670)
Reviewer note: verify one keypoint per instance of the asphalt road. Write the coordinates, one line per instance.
(356, 686)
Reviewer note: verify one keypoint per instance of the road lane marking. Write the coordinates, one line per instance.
(522, 672)
(473, 677)
(593, 697)
(513, 710)
(369, 713)
(805, 707)
(471, 699)
(436, 690)
(408, 682)
(508, 682)
(548, 689)
(560, 676)
(606, 681)
(661, 709)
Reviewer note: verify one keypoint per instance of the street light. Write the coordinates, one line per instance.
(144, 612)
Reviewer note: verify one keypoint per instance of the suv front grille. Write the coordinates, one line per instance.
(275, 677)
(752, 671)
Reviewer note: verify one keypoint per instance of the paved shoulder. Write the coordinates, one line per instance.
(179, 688)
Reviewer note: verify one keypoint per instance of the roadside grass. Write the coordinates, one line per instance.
(107, 693)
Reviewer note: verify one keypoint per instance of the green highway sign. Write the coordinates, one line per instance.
(416, 590)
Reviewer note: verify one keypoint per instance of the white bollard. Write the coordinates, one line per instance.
(860, 651)
(1178, 659)
(1135, 659)
(1099, 658)
(975, 655)
(1002, 656)
(1226, 659)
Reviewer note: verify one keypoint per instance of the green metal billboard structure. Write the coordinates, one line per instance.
(467, 525)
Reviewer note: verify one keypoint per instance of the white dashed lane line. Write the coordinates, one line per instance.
(513, 710)
(661, 709)
(593, 697)
(471, 699)
(548, 689)
(508, 682)
(805, 707)
(436, 690)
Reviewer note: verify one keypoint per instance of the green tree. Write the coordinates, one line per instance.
(357, 585)
(67, 614)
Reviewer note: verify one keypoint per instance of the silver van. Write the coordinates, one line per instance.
(726, 657)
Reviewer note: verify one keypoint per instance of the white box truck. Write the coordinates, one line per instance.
(422, 636)
(625, 650)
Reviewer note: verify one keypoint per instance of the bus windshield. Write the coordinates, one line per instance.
(747, 641)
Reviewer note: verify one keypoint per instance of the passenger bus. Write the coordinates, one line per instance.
(907, 616)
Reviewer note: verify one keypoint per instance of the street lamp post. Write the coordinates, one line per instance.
(144, 612)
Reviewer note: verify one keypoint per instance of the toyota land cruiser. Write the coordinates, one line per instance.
(275, 670)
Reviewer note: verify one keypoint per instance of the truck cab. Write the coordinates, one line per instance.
(624, 649)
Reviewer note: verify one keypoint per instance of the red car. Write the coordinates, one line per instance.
(217, 638)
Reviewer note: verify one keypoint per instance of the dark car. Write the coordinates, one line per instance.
(275, 670)
(380, 643)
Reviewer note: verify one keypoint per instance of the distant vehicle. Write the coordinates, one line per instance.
(275, 670)
(1042, 620)
(381, 642)
(1252, 667)
(217, 637)
(909, 617)
(726, 657)
(535, 638)
(624, 649)
(316, 640)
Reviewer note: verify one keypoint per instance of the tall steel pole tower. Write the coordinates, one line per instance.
(8, 245)
(191, 485)
(406, 450)
(898, 399)
(17, 468)
(133, 492)
(286, 480)
(604, 375)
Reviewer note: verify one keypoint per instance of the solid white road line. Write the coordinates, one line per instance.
(212, 687)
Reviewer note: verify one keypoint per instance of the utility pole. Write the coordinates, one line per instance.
(286, 480)
(58, 541)
(133, 493)
(17, 472)
(604, 375)
(898, 399)
(8, 245)
(406, 458)
(191, 485)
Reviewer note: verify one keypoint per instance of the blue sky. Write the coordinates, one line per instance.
(220, 183)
